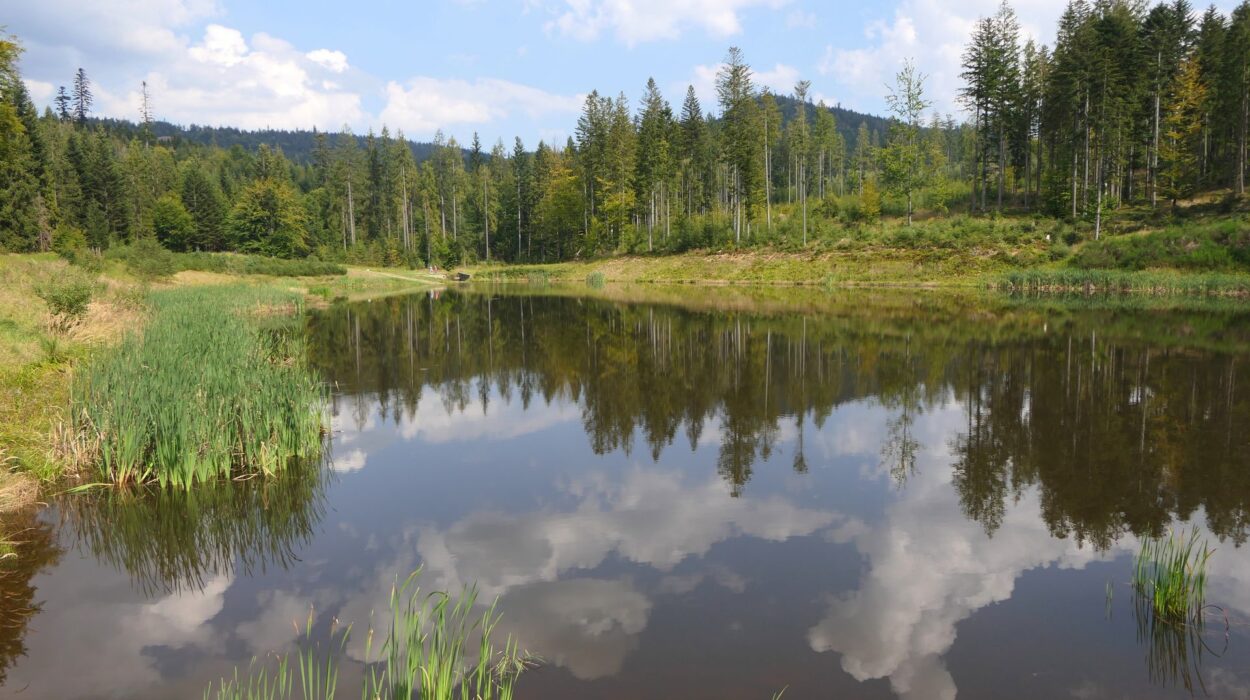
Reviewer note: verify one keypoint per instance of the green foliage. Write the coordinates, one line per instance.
(267, 218)
(1223, 246)
(146, 259)
(595, 280)
(171, 222)
(236, 264)
(437, 647)
(67, 295)
(1170, 575)
(205, 392)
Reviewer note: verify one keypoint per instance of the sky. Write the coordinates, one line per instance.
(502, 68)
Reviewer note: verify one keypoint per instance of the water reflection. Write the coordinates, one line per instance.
(33, 548)
(916, 496)
(176, 541)
(1121, 435)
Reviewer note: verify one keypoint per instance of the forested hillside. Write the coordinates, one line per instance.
(1133, 109)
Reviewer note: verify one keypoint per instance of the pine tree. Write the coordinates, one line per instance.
(1182, 133)
(62, 102)
(740, 137)
(82, 96)
(798, 137)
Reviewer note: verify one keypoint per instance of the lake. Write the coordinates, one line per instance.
(701, 493)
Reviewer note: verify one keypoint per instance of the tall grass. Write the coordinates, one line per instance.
(437, 647)
(595, 280)
(1121, 281)
(1170, 575)
(211, 388)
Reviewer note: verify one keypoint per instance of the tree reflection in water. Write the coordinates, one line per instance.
(1121, 434)
(171, 541)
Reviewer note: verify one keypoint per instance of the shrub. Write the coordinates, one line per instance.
(67, 297)
(146, 259)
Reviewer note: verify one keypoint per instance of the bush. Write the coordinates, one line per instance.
(257, 265)
(147, 259)
(67, 297)
(1224, 246)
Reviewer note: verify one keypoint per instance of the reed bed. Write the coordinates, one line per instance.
(596, 280)
(1170, 575)
(1123, 282)
(214, 387)
(437, 647)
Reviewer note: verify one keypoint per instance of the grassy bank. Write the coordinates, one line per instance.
(41, 352)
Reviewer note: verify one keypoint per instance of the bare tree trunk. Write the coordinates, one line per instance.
(351, 213)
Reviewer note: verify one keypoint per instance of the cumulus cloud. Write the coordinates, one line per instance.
(333, 61)
(638, 21)
(214, 74)
(934, 34)
(423, 104)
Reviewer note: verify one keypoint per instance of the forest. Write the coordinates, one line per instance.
(1133, 108)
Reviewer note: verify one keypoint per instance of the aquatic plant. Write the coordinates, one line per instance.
(538, 277)
(429, 653)
(213, 387)
(1123, 282)
(1170, 574)
(595, 280)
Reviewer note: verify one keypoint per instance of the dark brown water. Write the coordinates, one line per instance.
(850, 496)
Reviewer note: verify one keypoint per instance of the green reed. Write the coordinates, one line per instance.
(1147, 282)
(437, 647)
(596, 280)
(211, 388)
(1170, 575)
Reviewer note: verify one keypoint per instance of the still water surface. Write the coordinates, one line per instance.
(850, 496)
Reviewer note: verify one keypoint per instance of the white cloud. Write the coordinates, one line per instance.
(639, 21)
(423, 104)
(221, 45)
(333, 61)
(119, 29)
(934, 34)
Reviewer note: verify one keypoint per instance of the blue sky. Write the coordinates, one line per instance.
(498, 67)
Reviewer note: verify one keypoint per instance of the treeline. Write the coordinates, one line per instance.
(1132, 105)
(628, 181)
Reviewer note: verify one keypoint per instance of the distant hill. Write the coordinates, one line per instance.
(296, 145)
(848, 120)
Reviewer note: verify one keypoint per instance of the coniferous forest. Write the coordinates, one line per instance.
(1133, 108)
